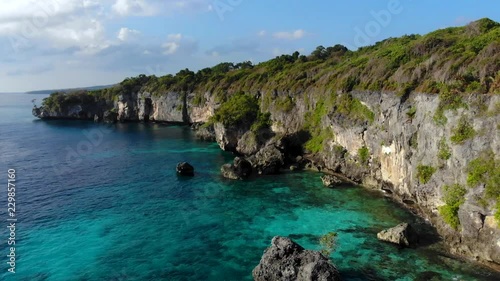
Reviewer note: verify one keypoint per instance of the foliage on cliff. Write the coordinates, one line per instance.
(453, 60)
(456, 59)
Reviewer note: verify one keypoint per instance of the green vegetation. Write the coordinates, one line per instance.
(448, 100)
(313, 125)
(449, 62)
(454, 198)
(317, 142)
(240, 109)
(353, 108)
(285, 104)
(486, 170)
(328, 243)
(411, 112)
(424, 173)
(444, 152)
(462, 132)
(364, 154)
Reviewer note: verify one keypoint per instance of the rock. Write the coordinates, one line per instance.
(228, 171)
(287, 260)
(294, 167)
(109, 117)
(97, 119)
(240, 169)
(331, 180)
(403, 234)
(185, 169)
(268, 160)
(205, 133)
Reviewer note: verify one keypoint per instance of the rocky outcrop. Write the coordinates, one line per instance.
(331, 180)
(403, 235)
(240, 169)
(185, 169)
(268, 161)
(286, 260)
(204, 131)
(109, 117)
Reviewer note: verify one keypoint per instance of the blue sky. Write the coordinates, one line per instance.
(72, 43)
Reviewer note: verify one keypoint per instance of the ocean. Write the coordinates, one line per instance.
(103, 202)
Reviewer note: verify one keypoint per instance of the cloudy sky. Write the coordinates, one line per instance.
(53, 44)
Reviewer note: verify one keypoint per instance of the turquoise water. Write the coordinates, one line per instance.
(110, 207)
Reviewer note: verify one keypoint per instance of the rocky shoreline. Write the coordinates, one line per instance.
(384, 153)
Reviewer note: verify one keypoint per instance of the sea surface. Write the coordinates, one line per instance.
(100, 202)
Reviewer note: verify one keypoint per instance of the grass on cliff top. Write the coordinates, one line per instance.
(458, 59)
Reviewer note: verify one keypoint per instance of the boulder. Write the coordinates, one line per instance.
(331, 180)
(287, 260)
(268, 161)
(240, 169)
(185, 169)
(403, 235)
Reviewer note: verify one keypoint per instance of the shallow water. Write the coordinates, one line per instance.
(110, 207)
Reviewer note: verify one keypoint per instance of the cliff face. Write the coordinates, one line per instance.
(403, 146)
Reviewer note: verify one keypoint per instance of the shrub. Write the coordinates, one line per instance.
(424, 173)
(364, 154)
(448, 100)
(285, 104)
(238, 109)
(328, 243)
(453, 197)
(462, 132)
(317, 141)
(353, 108)
(485, 170)
(444, 152)
(411, 112)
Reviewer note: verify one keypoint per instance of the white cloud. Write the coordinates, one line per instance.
(171, 48)
(262, 33)
(177, 43)
(154, 7)
(294, 35)
(126, 34)
(133, 7)
(58, 24)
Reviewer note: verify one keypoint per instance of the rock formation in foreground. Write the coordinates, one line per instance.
(286, 260)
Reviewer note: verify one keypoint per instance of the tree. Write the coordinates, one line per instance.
(319, 53)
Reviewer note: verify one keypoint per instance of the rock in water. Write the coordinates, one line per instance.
(240, 169)
(185, 169)
(286, 260)
(268, 161)
(403, 234)
(331, 180)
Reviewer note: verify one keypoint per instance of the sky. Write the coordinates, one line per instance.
(54, 44)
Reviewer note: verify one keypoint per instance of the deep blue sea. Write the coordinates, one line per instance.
(98, 202)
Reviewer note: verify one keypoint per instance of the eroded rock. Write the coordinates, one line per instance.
(403, 235)
(287, 260)
(331, 180)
